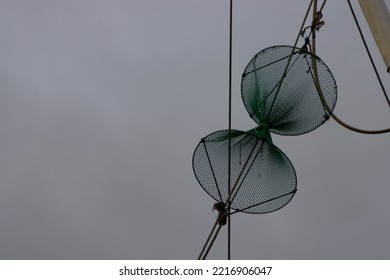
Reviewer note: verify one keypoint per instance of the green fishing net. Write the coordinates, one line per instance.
(263, 179)
(279, 90)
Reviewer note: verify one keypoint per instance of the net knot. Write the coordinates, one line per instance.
(317, 22)
(306, 44)
(222, 212)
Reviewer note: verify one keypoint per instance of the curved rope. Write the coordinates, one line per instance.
(319, 90)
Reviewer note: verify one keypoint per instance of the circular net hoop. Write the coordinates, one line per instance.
(279, 90)
(263, 179)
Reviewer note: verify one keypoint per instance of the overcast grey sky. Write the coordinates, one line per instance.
(102, 104)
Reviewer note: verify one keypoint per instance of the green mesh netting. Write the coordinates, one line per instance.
(263, 179)
(279, 90)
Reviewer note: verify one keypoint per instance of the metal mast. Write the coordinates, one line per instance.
(378, 18)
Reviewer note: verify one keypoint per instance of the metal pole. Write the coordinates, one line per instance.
(378, 19)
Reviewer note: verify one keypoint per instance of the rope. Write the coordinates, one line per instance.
(227, 214)
(321, 95)
(212, 242)
(221, 221)
(322, 6)
(303, 23)
(208, 240)
(288, 61)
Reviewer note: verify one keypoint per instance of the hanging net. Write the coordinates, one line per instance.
(279, 90)
(263, 179)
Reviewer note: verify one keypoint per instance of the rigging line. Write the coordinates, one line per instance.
(322, 98)
(212, 242)
(303, 23)
(322, 6)
(289, 59)
(316, 23)
(315, 2)
(368, 52)
(229, 154)
(208, 240)
(230, 124)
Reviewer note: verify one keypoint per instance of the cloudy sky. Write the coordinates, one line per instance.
(102, 104)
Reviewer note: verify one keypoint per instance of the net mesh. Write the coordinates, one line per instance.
(279, 90)
(263, 179)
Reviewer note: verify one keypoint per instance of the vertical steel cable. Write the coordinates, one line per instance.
(230, 124)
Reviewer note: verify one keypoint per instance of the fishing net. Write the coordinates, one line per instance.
(279, 90)
(263, 179)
